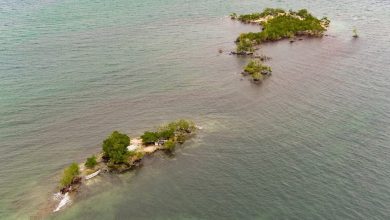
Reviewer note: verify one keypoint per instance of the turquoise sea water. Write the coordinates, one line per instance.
(312, 142)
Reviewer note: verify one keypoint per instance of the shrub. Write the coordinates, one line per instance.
(249, 17)
(149, 137)
(131, 153)
(182, 126)
(257, 76)
(272, 12)
(69, 174)
(257, 70)
(91, 162)
(233, 16)
(288, 26)
(170, 146)
(169, 131)
(181, 138)
(166, 133)
(355, 34)
(139, 155)
(303, 13)
(256, 16)
(325, 21)
(245, 45)
(115, 147)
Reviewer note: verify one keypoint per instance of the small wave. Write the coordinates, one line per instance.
(199, 127)
(58, 196)
(65, 199)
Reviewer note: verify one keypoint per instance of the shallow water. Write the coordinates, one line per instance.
(312, 142)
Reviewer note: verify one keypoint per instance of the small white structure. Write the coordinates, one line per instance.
(132, 147)
(92, 175)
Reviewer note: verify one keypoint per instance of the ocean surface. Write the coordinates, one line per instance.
(311, 142)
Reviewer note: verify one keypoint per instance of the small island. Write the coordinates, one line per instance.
(277, 24)
(120, 154)
(257, 70)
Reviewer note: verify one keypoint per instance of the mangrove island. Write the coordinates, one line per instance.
(120, 154)
(277, 24)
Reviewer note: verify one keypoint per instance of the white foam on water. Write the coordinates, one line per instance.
(58, 196)
(64, 200)
(199, 127)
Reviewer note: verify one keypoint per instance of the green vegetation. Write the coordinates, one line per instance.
(244, 45)
(257, 70)
(69, 174)
(168, 131)
(249, 17)
(91, 162)
(149, 137)
(116, 157)
(355, 34)
(115, 147)
(175, 131)
(181, 138)
(233, 16)
(281, 25)
(272, 12)
(136, 155)
(170, 146)
(256, 16)
(180, 126)
(139, 155)
(325, 22)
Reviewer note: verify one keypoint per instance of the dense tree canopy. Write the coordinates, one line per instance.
(115, 147)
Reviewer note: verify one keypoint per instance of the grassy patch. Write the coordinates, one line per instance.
(69, 174)
(257, 70)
